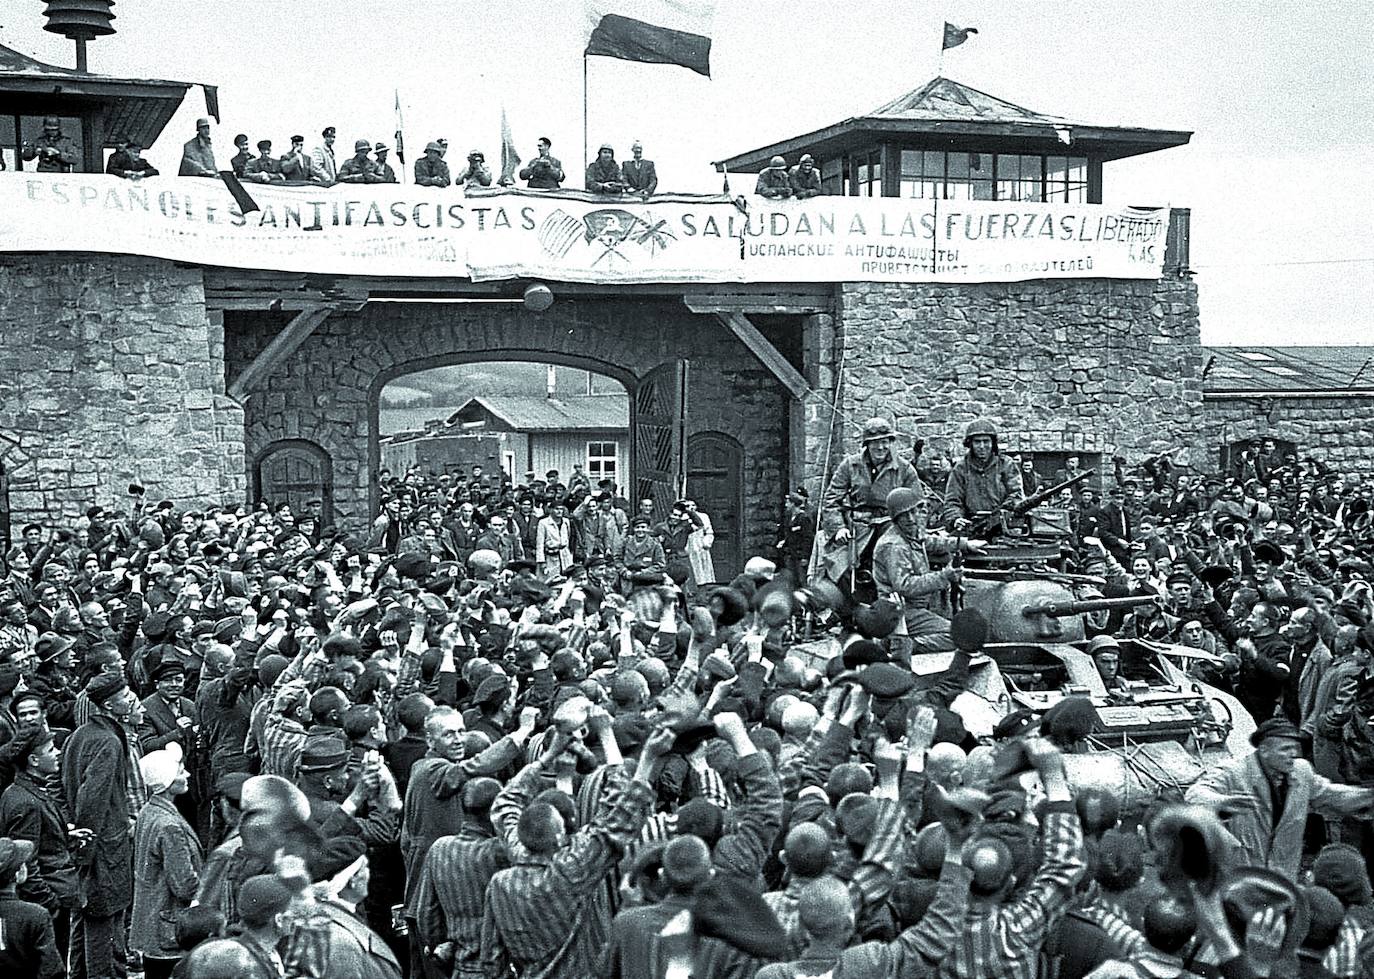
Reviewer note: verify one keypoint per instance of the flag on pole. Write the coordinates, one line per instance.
(400, 141)
(509, 158)
(955, 36)
(212, 101)
(665, 32)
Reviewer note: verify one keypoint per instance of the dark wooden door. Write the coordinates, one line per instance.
(715, 480)
(657, 421)
(295, 475)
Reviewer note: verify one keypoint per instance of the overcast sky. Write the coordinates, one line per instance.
(1277, 94)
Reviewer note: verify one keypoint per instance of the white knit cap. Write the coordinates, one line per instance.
(160, 768)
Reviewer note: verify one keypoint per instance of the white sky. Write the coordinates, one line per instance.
(1277, 93)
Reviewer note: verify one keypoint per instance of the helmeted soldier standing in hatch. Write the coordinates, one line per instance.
(901, 567)
(984, 481)
(856, 500)
(56, 153)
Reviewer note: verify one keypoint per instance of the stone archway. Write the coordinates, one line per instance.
(326, 391)
(457, 358)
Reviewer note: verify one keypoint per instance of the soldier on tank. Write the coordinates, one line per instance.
(901, 567)
(983, 482)
(856, 500)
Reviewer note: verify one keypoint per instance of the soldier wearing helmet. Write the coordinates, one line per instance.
(984, 481)
(857, 498)
(901, 568)
(56, 153)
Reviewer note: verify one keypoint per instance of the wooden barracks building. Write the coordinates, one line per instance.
(197, 378)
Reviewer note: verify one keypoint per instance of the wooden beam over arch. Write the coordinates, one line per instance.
(769, 355)
(282, 346)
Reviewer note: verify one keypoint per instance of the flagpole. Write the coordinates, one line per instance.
(584, 110)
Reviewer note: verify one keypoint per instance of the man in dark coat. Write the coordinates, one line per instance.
(97, 762)
(168, 717)
(29, 811)
(603, 173)
(638, 174)
(796, 533)
(28, 948)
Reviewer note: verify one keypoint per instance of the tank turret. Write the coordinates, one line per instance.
(1037, 610)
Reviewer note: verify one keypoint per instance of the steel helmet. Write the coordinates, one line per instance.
(980, 426)
(1103, 644)
(877, 429)
(902, 500)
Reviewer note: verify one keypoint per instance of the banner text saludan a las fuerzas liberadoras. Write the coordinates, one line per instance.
(572, 236)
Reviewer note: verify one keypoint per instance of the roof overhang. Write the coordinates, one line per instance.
(137, 109)
(860, 132)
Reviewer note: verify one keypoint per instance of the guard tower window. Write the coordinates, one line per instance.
(868, 175)
(928, 174)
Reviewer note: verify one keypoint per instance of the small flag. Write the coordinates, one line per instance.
(212, 101)
(241, 197)
(400, 141)
(510, 159)
(955, 36)
(666, 32)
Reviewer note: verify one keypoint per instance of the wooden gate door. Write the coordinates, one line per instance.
(715, 480)
(657, 422)
(295, 474)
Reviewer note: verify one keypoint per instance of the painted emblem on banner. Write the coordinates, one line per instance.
(616, 237)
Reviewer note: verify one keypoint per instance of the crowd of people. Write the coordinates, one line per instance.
(531, 729)
(55, 152)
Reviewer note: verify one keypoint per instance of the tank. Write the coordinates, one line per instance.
(1153, 735)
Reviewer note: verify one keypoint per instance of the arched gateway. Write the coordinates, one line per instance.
(326, 389)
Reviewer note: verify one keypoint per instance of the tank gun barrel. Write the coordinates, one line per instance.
(1049, 492)
(1058, 609)
(1034, 574)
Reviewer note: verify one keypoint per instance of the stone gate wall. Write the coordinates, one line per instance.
(1083, 365)
(111, 373)
(1336, 431)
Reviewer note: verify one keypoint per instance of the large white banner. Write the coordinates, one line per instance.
(388, 229)
(878, 239)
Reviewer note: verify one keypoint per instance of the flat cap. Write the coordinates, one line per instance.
(886, 681)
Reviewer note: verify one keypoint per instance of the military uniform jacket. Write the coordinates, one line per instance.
(65, 161)
(902, 567)
(426, 170)
(855, 484)
(977, 489)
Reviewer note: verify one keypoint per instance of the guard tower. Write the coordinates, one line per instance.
(949, 141)
(95, 110)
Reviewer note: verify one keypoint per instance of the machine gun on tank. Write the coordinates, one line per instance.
(1011, 521)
